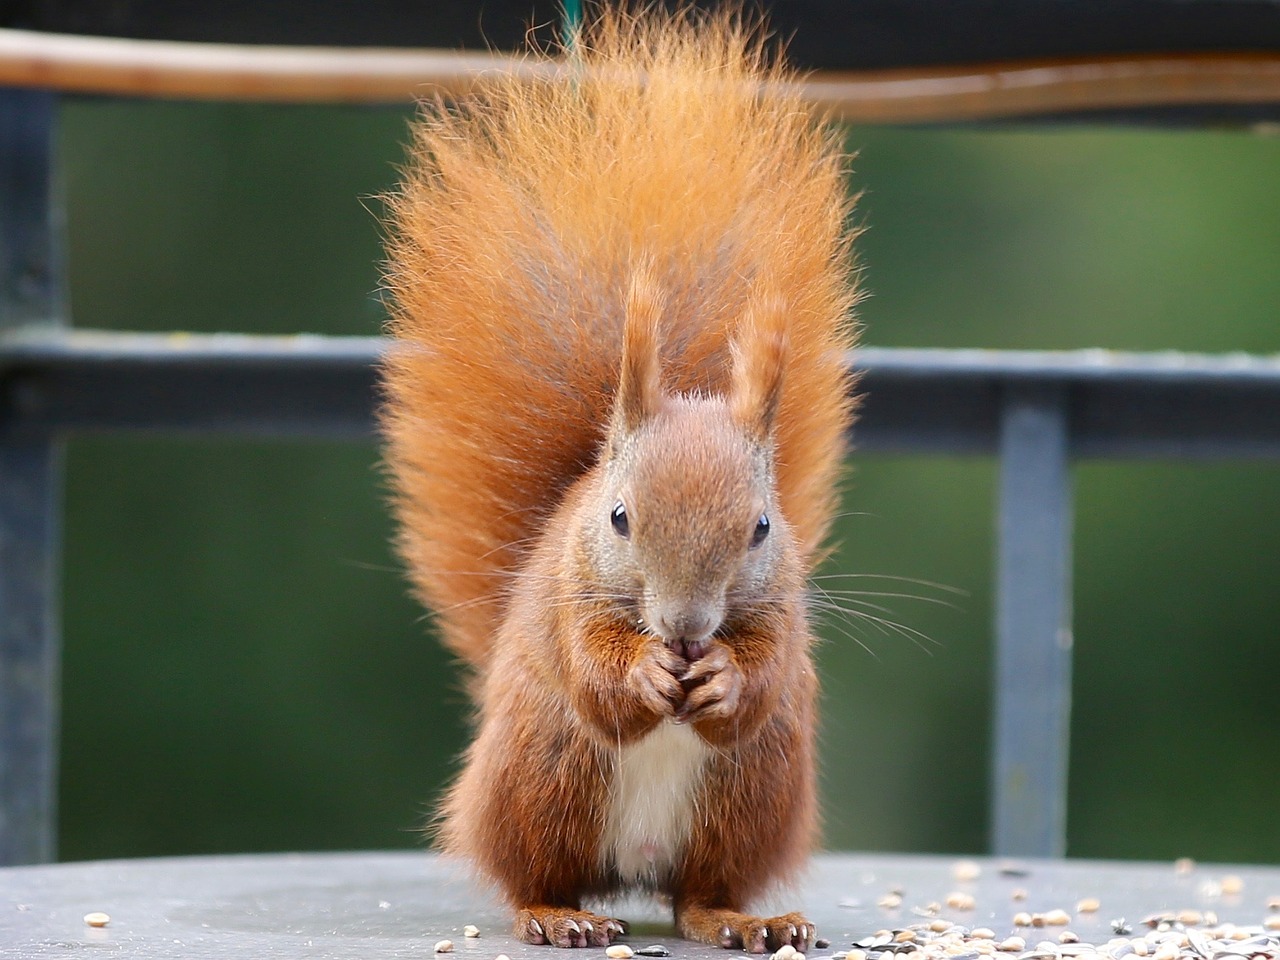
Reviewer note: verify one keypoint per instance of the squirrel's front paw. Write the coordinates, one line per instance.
(655, 678)
(713, 686)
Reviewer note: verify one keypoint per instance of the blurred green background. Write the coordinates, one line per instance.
(244, 672)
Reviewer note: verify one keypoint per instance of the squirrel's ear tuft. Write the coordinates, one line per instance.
(640, 382)
(759, 362)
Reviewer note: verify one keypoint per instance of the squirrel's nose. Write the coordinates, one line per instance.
(690, 626)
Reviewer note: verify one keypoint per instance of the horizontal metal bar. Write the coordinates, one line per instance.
(93, 381)
(1120, 405)
(938, 93)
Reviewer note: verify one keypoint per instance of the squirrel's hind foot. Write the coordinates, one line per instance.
(733, 930)
(566, 927)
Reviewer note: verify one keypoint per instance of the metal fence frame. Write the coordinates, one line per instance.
(1036, 411)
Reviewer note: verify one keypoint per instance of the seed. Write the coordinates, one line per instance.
(1273, 903)
(654, 950)
(1066, 936)
(787, 952)
(821, 943)
(1088, 905)
(890, 901)
(966, 870)
(620, 951)
(1014, 944)
(1018, 893)
(983, 933)
(1022, 919)
(1272, 922)
(940, 926)
(1190, 918)
(856, 955)
(1057, 918)
(502, 956)
(97, 919)
(905, 936)
(1167, 952)
(1183, 865)
(471, 930)
(444, 946)
(1232, 884)
(958, 900)
(1140, 948)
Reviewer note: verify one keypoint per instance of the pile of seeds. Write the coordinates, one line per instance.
(1169, 937)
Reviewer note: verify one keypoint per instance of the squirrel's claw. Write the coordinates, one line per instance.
(565, 927)
(757, 935)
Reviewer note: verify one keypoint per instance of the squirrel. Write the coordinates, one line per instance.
(621, 300)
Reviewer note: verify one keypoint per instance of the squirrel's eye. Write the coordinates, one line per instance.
(761, 531)
(618, 517)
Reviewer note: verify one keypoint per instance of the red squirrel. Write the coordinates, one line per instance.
(621, 297)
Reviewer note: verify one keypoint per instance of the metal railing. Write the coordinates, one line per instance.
(1037, 412)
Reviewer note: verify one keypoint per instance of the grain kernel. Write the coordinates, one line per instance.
(1057, 918)
(1231, 884)
(1089, 905)
(1014, 944)
(1067, 936)
(959, 900)
(97, 919)
(620, 951)
(982, 933)
(1018, 893)
(890, 901)
(1272, 922)
(966, 870)
(502, 956)
(939, 926)
(471, 930)
(1022, 919)
(786, 952)
(905, 936)
(444, 946)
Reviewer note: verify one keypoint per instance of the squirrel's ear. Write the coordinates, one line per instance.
(639, 383)
(759, 362)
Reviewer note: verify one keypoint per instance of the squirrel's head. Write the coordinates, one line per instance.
(687, 524)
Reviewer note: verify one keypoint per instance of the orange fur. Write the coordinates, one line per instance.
(614, 422)
(522, 216)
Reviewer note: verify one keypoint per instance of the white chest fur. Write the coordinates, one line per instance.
(652, 803)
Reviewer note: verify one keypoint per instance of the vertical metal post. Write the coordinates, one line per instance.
(31, 294)
(1033, 626)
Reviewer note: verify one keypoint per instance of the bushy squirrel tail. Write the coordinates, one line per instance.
(667, 143)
